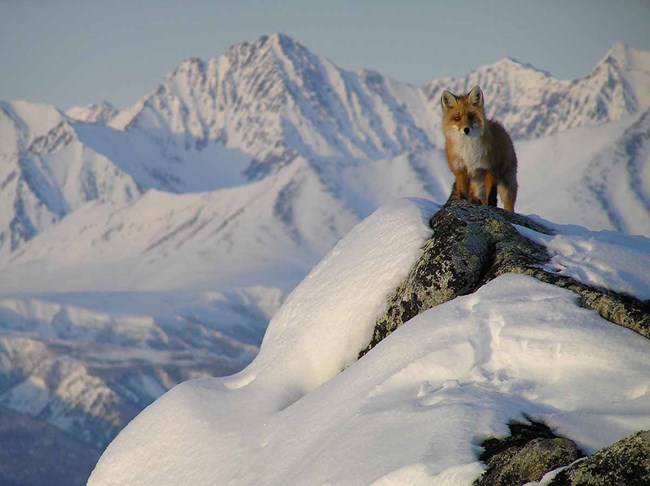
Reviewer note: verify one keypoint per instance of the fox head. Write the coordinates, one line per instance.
(463, 115)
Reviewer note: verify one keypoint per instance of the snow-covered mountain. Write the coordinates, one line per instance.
(531, 103)
(275, 100)
(239, 117)
(101, 113)
(180, 223)
(48, 172)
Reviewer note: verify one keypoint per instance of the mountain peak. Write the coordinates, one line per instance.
(276, 42)
(279, 39)
(509, 63)
(625, 57)
(284, 47)
(619, 52)
(100, 113)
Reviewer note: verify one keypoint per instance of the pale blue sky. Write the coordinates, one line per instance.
(78, 52)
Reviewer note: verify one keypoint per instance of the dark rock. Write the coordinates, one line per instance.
(472, 245)
(625, 463)
(529, 452)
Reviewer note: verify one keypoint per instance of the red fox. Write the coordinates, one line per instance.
(479, 152)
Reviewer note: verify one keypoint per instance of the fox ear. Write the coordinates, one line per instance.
(476, 97)
(448, 100)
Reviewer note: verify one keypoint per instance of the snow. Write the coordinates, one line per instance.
(101, 113)
(637, 63)
(596, 177)
(267, 233)
(31, 120)
(413, 409)
(167, 164)
(608, 259)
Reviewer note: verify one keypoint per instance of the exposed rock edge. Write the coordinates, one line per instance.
(472, 245)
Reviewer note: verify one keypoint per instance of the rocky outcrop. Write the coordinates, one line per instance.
(626, 462)
(532, 450)
(472, 245)
(526, 455)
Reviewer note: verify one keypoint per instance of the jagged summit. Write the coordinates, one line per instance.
(509, 62)
(275, 99)
(633, 66)
(261, 105)
(277, 42)
(531, 103)
(296, 102)
(100, 113)
(625, 56)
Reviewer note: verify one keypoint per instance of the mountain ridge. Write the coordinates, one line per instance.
(262, 104)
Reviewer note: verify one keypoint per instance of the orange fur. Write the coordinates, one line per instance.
(479, 151)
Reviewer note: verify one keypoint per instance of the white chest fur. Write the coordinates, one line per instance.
(470, 151)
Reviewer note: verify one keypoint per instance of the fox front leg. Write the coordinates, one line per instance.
(477, 188)
(461, 186)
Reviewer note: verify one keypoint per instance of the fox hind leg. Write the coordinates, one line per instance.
(454, 195)
(490, 190)
(492, 197)
(508, 195)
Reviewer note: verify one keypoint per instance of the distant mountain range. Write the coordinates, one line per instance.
(142, 247)
(242, 116)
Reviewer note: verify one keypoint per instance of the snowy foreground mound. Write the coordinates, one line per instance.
(414, 409)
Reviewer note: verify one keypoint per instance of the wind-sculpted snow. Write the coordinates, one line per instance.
(604, 259)
(412, 410)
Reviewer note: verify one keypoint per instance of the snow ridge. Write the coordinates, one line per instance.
(101, 113)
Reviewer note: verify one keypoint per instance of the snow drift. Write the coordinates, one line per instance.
(415, 408)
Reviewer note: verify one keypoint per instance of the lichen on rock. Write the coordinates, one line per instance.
(472, 245)
(626, 462)
(526, 455)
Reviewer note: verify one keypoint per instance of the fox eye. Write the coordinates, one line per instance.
(470, 118)
(457, 118)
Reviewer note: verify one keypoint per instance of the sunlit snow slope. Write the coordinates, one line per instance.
(305, 411)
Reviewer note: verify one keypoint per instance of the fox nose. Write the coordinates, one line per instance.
(466, 130)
